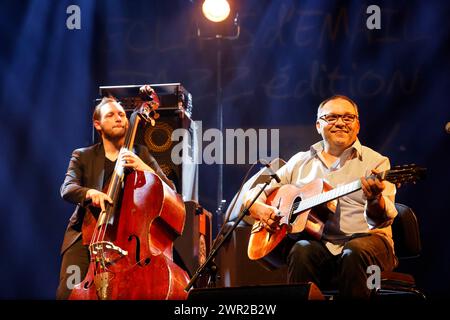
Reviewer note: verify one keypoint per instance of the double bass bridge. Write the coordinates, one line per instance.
(106, 252)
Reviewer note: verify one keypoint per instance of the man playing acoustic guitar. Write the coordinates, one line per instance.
(358, 233)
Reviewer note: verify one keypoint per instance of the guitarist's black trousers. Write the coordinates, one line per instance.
(349, 272)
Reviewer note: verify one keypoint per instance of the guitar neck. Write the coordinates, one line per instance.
(328, 196)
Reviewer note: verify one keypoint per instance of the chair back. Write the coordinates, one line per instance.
(405, 231)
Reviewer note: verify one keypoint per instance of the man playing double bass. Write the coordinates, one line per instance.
(89, 171)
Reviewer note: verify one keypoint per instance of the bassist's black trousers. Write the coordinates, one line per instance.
(74, 267)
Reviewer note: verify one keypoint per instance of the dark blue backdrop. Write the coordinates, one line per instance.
(289, 57)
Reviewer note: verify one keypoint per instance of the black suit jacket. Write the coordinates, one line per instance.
(86, 171)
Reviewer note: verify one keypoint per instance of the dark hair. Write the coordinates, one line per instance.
(337, 96)
(96, 115)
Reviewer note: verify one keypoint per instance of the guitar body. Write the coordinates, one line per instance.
(264, 245)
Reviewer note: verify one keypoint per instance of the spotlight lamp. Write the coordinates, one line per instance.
(217, 19)
(216, 10)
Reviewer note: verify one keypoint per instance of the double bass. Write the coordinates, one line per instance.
(131, 241)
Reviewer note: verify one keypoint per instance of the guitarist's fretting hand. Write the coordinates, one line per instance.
(372, 187)
(268, 216)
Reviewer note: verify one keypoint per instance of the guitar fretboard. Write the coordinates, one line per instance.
(328, 196)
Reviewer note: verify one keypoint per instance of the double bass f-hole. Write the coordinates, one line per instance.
(138, 251)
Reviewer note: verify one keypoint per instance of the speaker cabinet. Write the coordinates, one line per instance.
(194, 245)
(176, 154)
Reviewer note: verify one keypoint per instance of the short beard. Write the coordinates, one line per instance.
(113, 137)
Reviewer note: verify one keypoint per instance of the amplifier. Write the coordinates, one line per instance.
(172, 96)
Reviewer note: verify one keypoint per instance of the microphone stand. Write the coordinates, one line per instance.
(216, 248)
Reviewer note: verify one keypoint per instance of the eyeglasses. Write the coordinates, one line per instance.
(332, 118)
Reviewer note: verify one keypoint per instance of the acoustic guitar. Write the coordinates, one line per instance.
(306, 208)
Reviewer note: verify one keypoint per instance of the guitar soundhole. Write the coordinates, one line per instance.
(295, 205)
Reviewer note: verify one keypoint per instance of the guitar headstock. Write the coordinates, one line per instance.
(399, 175)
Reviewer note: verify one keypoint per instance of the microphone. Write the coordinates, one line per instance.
(269, 169)
(447, 127)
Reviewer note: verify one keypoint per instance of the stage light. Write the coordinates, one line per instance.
(217, 19)
(216, 10)
(218, 22)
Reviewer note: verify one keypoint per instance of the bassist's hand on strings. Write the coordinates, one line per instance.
(132, 161)
(98, 198)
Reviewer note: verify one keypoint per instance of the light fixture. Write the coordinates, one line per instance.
(217, 19)
(218, 22)
(216, 10)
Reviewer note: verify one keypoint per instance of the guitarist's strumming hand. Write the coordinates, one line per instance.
(268, 216)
